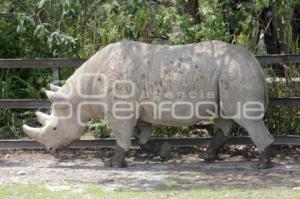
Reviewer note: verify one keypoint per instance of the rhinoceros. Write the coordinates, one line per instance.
(135, 85)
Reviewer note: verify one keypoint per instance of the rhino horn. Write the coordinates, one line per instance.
(42, 117)
(34, 133)
(54, 87)
(55, 96)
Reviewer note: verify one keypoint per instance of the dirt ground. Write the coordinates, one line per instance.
(146, 172)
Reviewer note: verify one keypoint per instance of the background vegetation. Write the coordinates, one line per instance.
(79, 28)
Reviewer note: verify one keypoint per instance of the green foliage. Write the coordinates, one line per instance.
(99, 128)
(168, 131)
(19, 84)
(126, 20)
(283, 120)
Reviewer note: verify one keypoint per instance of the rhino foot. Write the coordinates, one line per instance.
(208, 156)
(118, 159)
(117, 164)
(264, 160)
(217, 142)
(264, 165)
(165, 151)
(162, 150)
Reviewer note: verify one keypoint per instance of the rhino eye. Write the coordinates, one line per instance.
(54, 128)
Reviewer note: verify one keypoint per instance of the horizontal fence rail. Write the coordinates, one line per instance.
(285, 101)
(64, 62)
(110, 143)
(24, 103)
(40, 63)
(34, 103)
(278, 59)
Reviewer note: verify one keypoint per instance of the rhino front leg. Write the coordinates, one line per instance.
(221, 132)
(143, 133)
(118, 159)
(123, 131)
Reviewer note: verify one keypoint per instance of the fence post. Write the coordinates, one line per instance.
(56, 75)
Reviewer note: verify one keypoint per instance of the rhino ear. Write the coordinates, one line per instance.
(56, 96)
(54, 87)
(42, 117)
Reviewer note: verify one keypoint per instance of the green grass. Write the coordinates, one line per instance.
(32, 191)
(37, 191)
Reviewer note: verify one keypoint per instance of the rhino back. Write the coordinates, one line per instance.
(173, 72)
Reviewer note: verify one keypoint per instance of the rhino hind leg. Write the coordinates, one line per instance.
(143, 133)
(261, 137)
(221, 132)
(236, 91)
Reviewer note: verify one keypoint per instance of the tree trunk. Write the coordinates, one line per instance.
(295, 22)
(192, 7)
(269, 23)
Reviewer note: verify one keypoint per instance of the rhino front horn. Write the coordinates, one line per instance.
(34, 133)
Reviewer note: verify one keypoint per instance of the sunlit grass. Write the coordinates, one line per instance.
(37, 191)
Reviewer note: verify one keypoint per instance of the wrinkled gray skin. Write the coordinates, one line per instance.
(230, 72)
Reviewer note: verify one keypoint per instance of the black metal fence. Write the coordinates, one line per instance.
(57, 64)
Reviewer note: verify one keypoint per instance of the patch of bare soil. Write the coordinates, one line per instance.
(236, 168)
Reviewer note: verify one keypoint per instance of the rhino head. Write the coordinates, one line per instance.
(60, 128)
